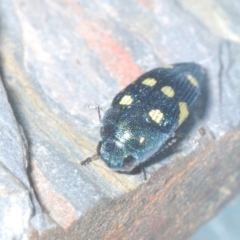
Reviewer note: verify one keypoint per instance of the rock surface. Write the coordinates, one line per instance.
(57, 57)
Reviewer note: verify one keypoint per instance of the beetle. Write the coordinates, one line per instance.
(146, 114)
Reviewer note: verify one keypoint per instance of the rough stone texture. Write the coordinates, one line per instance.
(20, 212)
(59, 56)
(176, 200)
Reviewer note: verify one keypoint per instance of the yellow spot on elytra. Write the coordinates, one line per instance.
(126, 100)
(168, 91)
(156, 115)
(149, 82)
(192, 80)
(183, 112)
(141, 140)
(167, 66)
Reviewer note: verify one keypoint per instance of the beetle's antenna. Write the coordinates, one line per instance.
(89, 159)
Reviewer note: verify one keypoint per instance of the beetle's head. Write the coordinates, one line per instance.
(117, 156)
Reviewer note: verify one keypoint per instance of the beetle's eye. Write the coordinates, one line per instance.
(129, 163)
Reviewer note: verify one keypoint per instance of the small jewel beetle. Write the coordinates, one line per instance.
(145, 114)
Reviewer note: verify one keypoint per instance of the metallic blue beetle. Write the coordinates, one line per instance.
(145, 114)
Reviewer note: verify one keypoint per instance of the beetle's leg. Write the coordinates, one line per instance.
(99, 113)
(182, 135)
(98, 109)
(144, 174)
